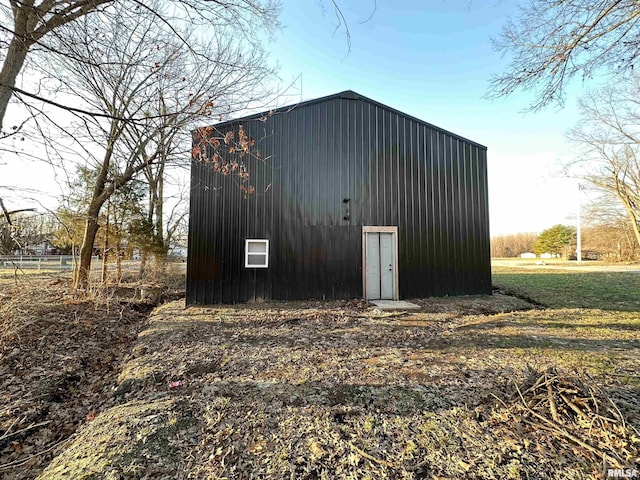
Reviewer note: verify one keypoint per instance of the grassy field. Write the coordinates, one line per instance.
(618, 291)
(473, 387)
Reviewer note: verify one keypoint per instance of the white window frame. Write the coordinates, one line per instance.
(247, 254)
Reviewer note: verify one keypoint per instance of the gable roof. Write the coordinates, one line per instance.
(345, 95)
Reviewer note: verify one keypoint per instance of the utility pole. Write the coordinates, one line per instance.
(578, 239)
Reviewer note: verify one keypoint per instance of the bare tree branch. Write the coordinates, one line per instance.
(608, 137)
(551, 42)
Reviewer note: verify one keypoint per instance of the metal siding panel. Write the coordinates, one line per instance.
(273, 229)
(395, 170)
(336, 253)
(332, 250)
(307, 171)
(430, 212)
(372, 200)
(358, 193)
(321, 242)
(419, 214)
(464, 272)
(279, 167)
(402, 220)
(474, 220)
(452, 220)
(472, 258)
(344, 134)
(229, 232)
(458, 281)
(466, 239)
(485, 235)
(316, 204)
(291, 216)
(451, 182)
(392, 171)
(440, 206)
(298, 185)
(434, 212)
(264, 207)
(351, 160)
(354, 289)
(332, 188)
(214, 257)
(324, 166)
(411, 174)
(382, 212)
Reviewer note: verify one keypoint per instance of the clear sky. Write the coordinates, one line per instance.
(433, 59)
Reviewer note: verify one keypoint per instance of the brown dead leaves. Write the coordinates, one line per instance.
(59, 357)
(331, 390)
(336, 390)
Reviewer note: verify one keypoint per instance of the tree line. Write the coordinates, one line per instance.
(611, 241)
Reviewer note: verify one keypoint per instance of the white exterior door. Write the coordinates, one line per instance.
(380, 265)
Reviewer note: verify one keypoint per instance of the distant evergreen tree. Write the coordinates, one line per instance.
(556, 240)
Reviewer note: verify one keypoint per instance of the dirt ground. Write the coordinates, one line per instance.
(473, 387)
(60, 356)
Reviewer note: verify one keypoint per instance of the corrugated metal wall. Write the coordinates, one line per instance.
(394, 169)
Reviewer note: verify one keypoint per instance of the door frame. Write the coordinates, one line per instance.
(373, 229)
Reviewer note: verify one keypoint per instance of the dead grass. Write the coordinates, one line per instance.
(60, 355)
(317, 390)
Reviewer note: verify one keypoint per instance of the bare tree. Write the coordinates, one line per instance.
(29, 24)
(552, 41)
(151, 77)
(607, 232)
(609, 138)
(8, 240)
(165, 225)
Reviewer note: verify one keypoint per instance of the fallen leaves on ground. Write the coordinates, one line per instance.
(60, 354)
(315, 390)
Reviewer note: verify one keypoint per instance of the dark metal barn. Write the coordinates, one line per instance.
(352, 199)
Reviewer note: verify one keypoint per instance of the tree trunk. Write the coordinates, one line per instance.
(161, 246)
(105, 255)
(144, 255)
(13, 62)
(118, 262)
(636, 228)
(632, 211)
(160, 267)
(86, 250)
(105, 250)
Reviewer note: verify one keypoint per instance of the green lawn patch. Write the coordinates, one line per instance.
(559, 289)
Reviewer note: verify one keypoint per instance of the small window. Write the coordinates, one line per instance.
(256, 253)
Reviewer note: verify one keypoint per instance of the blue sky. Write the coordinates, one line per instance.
(433, 59)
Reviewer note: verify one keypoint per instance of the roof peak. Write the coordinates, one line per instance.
(345, 95)
(350, 94)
